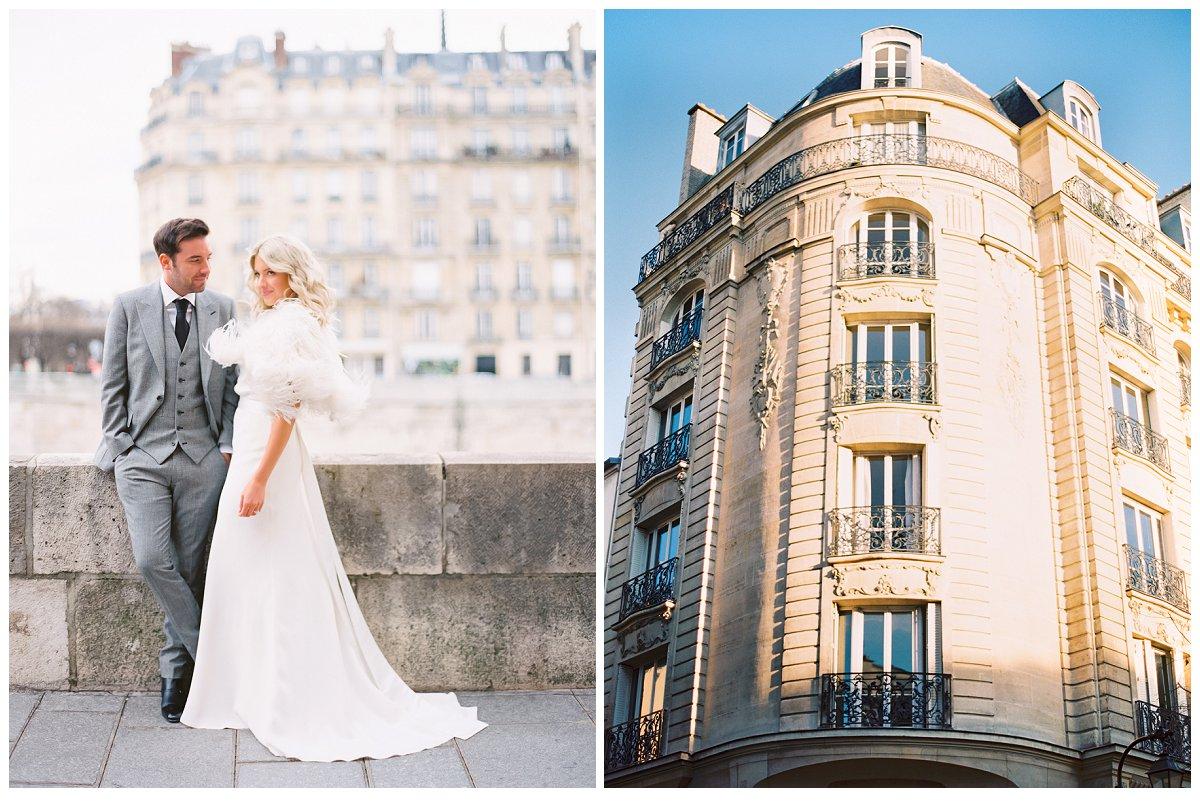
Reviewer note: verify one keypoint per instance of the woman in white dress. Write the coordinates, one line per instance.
(284, 650)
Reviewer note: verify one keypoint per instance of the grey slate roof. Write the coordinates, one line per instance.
(935, 75)
(1019, 103)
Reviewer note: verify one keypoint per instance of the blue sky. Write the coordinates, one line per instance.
(657, 64)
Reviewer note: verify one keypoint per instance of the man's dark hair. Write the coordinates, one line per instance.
(166, 240)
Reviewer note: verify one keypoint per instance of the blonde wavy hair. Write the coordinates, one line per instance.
(305, 274)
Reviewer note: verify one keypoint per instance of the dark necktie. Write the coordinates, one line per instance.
(181, 323)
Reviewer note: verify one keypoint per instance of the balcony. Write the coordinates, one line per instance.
(369, 291)
(483, 246)
(885, 529)
(523, 293)
(634, 742)
(667, 453)
(1154, 577)
(652, 588)
(1130, 435)
(482, 294)
(1116, 316)
(562, 244)
(1107, 211)
(686, 334)
(885, 701)
(718, 209)
(905, 259)
(884, 383)
(1173, 726)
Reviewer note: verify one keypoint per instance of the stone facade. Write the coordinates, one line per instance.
(468, 581)
(909, 278)
(450, 195)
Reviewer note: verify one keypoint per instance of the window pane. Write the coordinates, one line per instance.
(872, 654)
(901, 344)
(923, 349)
(1144, 530)
(845, 624)
(1117, 398)
(877, 490)
(1131, 536)
(902, 642)
(875, 343)
(1165, 679)
(901, 479)
(673, 547)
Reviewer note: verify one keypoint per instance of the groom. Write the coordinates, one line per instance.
(167, 412)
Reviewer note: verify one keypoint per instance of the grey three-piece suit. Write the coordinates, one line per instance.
(167, 416)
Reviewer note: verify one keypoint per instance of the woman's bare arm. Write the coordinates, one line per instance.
(256, 490)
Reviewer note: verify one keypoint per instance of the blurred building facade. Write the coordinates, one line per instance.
(450, 195)
(904, 492)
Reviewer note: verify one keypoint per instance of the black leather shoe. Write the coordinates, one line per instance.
(174, 697)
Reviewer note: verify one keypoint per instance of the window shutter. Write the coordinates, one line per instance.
(621, 699)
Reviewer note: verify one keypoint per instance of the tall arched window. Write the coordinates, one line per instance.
(1112, 289)
(1080, 118)
(891, 65)
(889, 242)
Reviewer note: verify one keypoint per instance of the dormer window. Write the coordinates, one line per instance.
(891, 65)
(732, 146)
(1080, 119)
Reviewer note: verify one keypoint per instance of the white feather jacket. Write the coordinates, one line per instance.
(289, 362)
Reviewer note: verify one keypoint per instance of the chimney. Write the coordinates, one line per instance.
(503, 46)
(280, 53)
(701, 150)
(180, 53)
(575, 51)
(389, 54)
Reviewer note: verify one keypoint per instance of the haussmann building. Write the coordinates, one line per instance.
(904, 488)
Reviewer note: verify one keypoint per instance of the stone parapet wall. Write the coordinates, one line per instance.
(473, 571)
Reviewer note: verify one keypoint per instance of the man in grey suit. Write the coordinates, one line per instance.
(168, 434)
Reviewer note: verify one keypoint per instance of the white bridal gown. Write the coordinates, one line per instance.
(284, 650)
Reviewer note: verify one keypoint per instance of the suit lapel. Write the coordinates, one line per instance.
(206, 323)
(150, 314)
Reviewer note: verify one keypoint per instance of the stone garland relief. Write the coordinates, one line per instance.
(648, 632)
(1001, 272)
(765, 393)
(688, 365)
(884, 291)
(869, 580)
(1151, 621)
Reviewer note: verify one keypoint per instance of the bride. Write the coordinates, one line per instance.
(284, 650)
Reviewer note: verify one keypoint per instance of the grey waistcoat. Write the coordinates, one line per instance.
(182, 420)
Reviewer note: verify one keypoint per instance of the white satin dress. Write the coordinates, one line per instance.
(284, 650)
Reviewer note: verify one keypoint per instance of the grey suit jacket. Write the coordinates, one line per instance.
(133, 380)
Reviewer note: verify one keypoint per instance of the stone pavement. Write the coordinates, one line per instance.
(534, 739)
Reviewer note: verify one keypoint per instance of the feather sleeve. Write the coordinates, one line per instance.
(224, 344)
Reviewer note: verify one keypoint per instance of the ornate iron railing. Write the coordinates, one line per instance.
(663, 455)
(1107, 211)
(678, 338)
(652, 588)
(1120, 319)
(885, 529)
(699, 223)
(912, 259)
(1173, 727)
(885, 700)
(634, 742)
(869, 150)
(1185, 388)
(877, 382)
(1130, 435)
(1156, 578)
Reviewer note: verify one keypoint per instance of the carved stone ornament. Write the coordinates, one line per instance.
(884, 291)
(835, 424)
(1152, 621)
(765, 393)
(935, 425)
(637, 507)
(672, 284)
(647, 630)
(1131, 357)
(688, 365)
(870, 580)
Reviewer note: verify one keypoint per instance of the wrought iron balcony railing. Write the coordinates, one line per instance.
(696, 225)
(885, 529)
(1173, 726)
(634, 742)
(883, 382)
(911, 259)
(1107, 211)
(1185, 388)
(1120, 319)
(678, 338)
(870, 150)
(652, 588)
(885, 700)
(663, 455)
(1130, 435)
(1158, 579)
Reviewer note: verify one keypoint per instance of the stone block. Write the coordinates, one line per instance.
(481, 632)
(18, 491)
(533, 756)
(118, 634)
(37, 633)
(299, 774)
(78, 524)
(440, 767)
(152, 758)
(385, 516)
(62, 748)
(20, 707)
(520, 517)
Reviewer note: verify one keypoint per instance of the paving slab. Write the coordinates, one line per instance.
(301, 774)
(587, 700)
(83, 702)
(533, 756)
(251, 750)
(59, 747)
(20, 707)
(524, 708)
(144, 711)
(441, 767)
(157, 758)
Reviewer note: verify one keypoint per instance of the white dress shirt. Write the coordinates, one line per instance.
(169, 298)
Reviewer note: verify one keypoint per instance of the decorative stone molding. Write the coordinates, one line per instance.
(1156, 623)
(935, 424)
(693, 269)
(662, 495)
(885, 578)
(765, 394)
(644, 630)
(886, 291)
(835, 424)
(687, 365)
(1132, 357)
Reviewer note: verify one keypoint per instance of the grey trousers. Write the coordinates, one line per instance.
(170, 509)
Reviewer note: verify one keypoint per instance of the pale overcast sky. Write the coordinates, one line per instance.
(80, 87)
